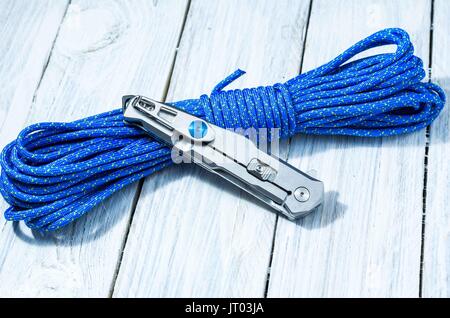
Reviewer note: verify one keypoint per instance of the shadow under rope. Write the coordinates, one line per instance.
(102, 219)
(96, 222)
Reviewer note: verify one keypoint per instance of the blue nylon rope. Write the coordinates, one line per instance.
(53, 173)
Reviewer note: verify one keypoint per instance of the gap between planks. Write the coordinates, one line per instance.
(138, 192)
(300, 69)
(44, 69)
(425, 159)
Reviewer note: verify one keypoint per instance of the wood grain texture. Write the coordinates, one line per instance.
(366, 240)
(104, 49)
(194, 234)
(436, 267)
(27, 33)
(25, 27)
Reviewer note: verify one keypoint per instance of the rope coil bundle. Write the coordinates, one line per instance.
(53, 173)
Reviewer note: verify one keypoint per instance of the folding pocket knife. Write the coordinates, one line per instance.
(230, 155)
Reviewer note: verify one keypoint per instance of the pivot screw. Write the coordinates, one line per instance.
(301, 194)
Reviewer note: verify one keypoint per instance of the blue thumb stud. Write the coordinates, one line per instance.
(198, 129)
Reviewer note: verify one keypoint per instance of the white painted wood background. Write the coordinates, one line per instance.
(183, 232)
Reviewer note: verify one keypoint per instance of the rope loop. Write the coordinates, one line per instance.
(260, 107)
(53, 173)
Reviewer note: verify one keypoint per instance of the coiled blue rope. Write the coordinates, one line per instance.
(54, 173)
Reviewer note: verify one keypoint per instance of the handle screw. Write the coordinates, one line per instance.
(301, 194)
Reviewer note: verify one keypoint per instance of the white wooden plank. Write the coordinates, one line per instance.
(436, 267)
(27, 35)
(105, 49)
(193, 234)
(25, 27)
(367, 239)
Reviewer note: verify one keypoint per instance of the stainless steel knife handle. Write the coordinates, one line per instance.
(229, 155)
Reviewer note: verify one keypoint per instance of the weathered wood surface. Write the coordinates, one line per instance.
(436, 267)
(103, 50)
(192, 234)
(25, 27)
(27, 34)
(367, 239)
